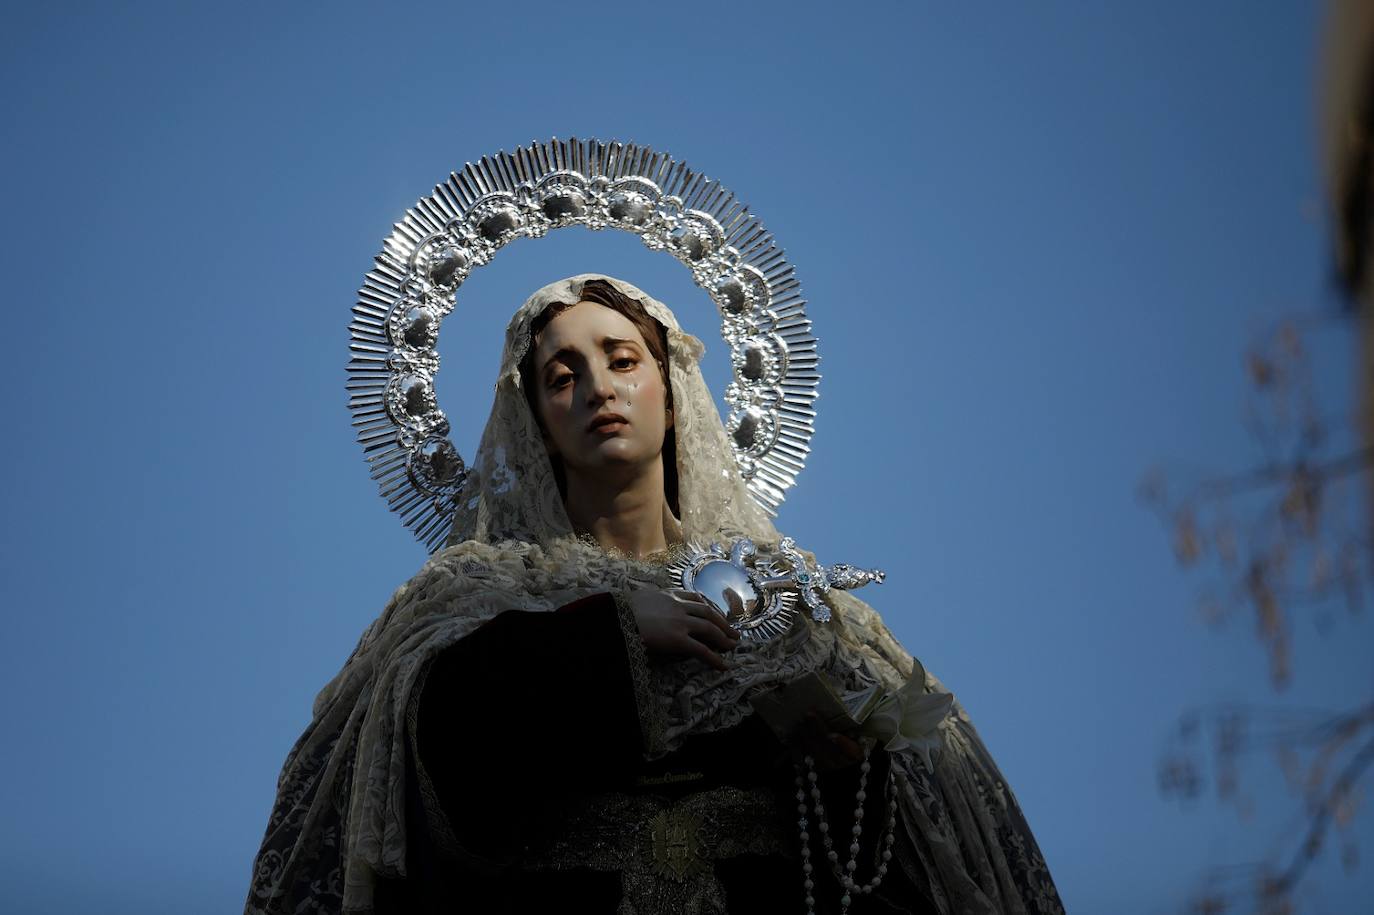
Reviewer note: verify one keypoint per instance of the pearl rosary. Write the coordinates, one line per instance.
(845, 876)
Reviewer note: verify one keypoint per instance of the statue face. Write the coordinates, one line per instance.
(601, 395)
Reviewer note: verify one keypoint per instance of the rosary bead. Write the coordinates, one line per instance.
(845, 875)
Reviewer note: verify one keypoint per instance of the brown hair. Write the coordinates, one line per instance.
(655, 338)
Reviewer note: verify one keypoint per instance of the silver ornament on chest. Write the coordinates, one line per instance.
(758, 595)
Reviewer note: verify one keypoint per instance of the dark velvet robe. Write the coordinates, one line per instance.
(483, 778)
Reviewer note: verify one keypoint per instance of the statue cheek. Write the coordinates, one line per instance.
(558, 425)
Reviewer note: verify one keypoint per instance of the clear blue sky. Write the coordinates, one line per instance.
(1034, 239)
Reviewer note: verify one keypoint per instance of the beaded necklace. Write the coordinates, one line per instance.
(845, 876)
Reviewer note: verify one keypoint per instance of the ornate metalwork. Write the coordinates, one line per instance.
(813, 585)
(757, 595)
(600, 185)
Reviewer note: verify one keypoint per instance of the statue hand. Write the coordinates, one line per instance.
(830, 749)
(682, 624)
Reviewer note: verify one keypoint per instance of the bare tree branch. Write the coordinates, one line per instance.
(1321, 819)
(1359, 461)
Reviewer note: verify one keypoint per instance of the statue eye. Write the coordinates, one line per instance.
(628, 362)
(561, 380)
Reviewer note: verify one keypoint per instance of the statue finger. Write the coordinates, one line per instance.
(849, 749)
(702, 652)
(713, 616)
(706, 631)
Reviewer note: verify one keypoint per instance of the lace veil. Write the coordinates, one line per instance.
(513, 494)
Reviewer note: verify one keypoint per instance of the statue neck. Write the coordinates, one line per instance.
(623, 515)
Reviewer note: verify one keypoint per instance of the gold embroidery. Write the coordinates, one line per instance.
(668, 778)
(664, 850)
(677, 848)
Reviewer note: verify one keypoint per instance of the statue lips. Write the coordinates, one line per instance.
(607, 423)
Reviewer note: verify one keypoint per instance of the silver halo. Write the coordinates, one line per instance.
(600, 185)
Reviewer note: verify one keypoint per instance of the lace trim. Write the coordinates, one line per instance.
(429, 797)
(659, 558)
(653, 723)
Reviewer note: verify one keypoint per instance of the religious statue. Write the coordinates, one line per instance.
(615, 686)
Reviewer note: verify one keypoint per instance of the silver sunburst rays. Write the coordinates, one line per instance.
(600, 185)
(757, 595)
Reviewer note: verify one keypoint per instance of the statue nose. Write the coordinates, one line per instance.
(601, 387)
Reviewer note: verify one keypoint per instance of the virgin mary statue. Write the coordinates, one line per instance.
(543, 718)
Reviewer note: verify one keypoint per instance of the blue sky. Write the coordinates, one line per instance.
(1034, 239)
